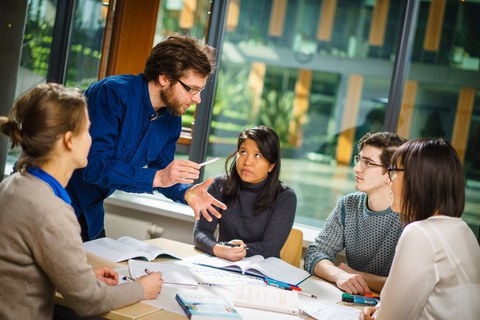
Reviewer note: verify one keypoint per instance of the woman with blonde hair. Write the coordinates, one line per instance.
(40, 245)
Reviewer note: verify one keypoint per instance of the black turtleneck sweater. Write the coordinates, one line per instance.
(264, 233)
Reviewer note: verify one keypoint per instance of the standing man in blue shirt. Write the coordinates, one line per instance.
(135, 125)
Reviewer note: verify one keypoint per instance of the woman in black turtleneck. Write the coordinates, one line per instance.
(261, 209)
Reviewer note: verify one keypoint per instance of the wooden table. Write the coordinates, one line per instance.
(142, 311)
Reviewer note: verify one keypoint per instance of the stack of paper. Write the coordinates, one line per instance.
(266, 298)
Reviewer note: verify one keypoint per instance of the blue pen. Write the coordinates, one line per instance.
(286, 286)
(280, 284)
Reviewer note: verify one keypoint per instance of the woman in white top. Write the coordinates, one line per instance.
(436, 270)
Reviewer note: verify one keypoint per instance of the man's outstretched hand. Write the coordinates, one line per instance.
(202, 202)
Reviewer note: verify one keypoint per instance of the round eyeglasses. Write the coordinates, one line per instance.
(365, 163)
(192, 91)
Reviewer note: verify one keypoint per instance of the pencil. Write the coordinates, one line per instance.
(208, 162)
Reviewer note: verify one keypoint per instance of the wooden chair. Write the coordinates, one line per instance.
(292, 249)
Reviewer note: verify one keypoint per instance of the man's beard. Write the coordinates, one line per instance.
(173, 105)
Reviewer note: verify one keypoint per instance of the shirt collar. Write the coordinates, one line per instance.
(58, 189)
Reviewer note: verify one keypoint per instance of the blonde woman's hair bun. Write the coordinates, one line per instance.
(12, 129)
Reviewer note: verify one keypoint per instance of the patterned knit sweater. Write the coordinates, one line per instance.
(368, 237)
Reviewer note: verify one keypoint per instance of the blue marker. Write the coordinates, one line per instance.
(359, 299)
(280, 284)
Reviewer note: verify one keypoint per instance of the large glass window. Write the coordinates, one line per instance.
(442, 94)
(319, 74)
(37, 40)
(84, 52)
(86, 43)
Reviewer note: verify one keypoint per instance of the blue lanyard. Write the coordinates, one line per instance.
(52, 182)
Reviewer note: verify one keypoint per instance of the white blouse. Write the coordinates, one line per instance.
(435, 273)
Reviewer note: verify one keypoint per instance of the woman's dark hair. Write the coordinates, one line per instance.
(40, 117)
(433, 179)
(176, 55)
(269, 144)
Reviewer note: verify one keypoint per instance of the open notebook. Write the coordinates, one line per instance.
(257, 265)
(125, 248)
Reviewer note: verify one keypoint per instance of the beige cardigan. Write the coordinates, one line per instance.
(41, 249)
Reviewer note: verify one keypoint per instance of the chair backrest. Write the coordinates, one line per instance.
(292, 249)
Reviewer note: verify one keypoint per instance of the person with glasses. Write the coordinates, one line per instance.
(362, 224)
(136, 122)
(261, 209)
(436, 270)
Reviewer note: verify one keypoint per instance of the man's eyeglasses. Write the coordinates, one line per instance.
(365, 163)
(192, 91)
(392, 172)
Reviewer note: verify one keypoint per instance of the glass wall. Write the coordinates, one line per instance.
(443, 88)
(319, 72)
(85, 48)
(86, 43)
(37, 39)
(84, 52)
(36, 44)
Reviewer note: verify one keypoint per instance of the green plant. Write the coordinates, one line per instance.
(36, 46)
(232, 92)
(276, 112)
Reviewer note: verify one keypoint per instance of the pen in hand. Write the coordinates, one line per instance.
(208, 162)
(232, 245)
(126, 278)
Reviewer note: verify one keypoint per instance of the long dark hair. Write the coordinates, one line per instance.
(269, 144)
(433, 181)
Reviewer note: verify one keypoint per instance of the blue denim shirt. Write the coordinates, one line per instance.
(127, 147)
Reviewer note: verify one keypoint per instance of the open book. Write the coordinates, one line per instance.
(266, 298)
(257, 265)
(124, 248)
